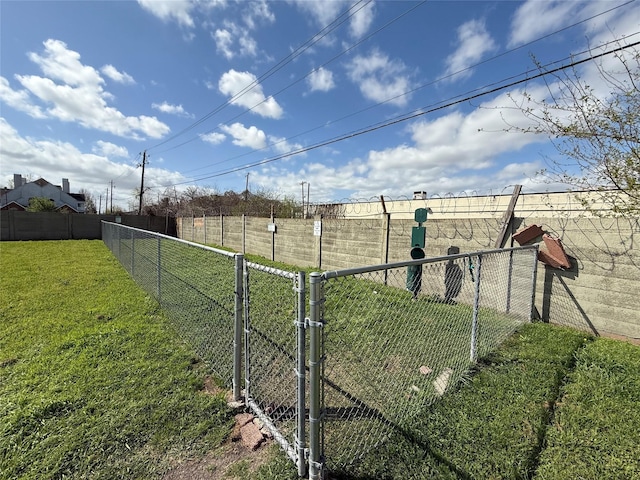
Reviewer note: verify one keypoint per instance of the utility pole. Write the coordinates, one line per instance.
(100, 205)
(246, 193)
(144, 161)
(302, 191)
(112, 187)
(308, 196)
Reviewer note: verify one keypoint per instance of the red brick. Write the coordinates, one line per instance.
(527, 235)
(556, 251)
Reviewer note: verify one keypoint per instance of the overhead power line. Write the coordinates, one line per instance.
(370, 107)
(339, 20)
(310, 72)
(413, 115)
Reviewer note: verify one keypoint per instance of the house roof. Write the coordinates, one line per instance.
(41, 182)
(13, 206)
(78, 196)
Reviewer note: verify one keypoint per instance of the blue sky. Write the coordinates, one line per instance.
(214, 90)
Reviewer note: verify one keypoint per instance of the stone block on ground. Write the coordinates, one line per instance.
(252, 437)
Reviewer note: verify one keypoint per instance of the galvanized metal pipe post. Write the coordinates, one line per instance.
(237, 327)
(476, 309)
(247, 332)
(509, 282)
(533, 283)
(159, 264)
(315, 361)
(133, 257)
(302, 364)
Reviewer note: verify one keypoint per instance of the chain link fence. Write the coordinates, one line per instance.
(380, 343)
(193, 284)
(221, 305)
(395, 338)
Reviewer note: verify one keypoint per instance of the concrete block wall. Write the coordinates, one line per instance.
(260, 241)
(600, 293)
(295, 243)
(348, 244)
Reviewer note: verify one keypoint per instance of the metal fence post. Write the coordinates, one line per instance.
(238, 327)
(119, 230)
(533, 283)
(315, 361)
(509, 282)
(133, 256)
(476, 308)
(247, 332)
(159, 263)
(302, 363)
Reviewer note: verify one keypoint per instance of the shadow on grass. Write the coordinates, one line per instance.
(491, 426)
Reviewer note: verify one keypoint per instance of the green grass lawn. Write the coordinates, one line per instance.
(95, 383)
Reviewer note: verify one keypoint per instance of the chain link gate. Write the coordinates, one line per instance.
(275, 346)
(379, 357)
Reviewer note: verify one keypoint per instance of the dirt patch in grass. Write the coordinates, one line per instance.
(231, 461)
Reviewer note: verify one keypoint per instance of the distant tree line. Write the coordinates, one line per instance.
(199, 201)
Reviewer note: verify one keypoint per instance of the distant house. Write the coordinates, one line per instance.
(17, 198)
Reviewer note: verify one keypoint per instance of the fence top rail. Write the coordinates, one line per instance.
(174, 239)
(272, 270)
(389, 266)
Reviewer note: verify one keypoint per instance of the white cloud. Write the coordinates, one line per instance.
(257, 11)
(379, 78)
(248, 46)
(60, 63)
(233, 40)
(281, 145)
(322, 12)
(362, 20)
(321, 80)
(165, 107)
(251, 137)
(451, 153)
(54, 160)
(534, 19)
(474, 42)
(19, 100)
(120, 77)
(79, 97)
(108, 149)
(235, 85)
(166, 10)
(214, 138)
(224, 41)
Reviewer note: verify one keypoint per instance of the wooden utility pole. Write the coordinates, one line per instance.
(144, 161)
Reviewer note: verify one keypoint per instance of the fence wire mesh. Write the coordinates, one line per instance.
(380, 345)
(194, 285)
(388, 353)
(272, 312)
